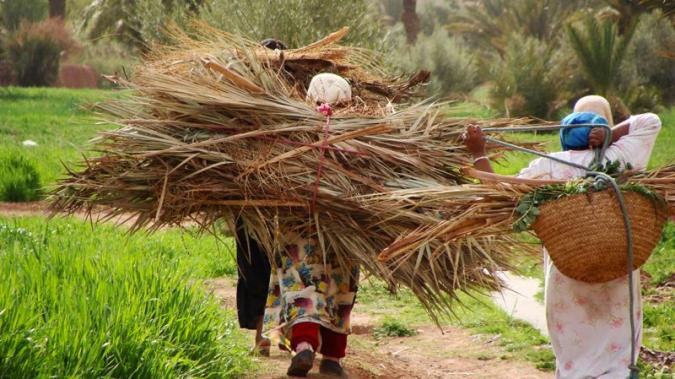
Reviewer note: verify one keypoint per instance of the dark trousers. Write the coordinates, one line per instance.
(254, 278)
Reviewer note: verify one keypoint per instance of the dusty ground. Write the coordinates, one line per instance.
(22, 209)
(430, 354)
(39, 208)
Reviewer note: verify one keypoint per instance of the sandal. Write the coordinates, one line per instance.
(330, 367)
(301, 363)
(262, 348)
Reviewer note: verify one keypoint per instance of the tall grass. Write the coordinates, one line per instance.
(19, 178)
(659, 310)
(77, 302)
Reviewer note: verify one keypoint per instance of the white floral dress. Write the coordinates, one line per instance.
(589, 324)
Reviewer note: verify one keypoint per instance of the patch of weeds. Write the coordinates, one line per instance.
(485, 357)
(654, 371)
(518, 339)
(376, 299)
(659, 334)
(543, 358)
(390, 327)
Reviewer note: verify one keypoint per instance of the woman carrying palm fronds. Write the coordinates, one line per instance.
(588, 322)
(312, 293)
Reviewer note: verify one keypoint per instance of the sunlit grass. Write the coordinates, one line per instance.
(77, 302)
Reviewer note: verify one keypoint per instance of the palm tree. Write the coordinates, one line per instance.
(599, 50)
(628, 12)
(542, 19)
(57, 8)
(490, 23)
(667, 7)
(411, 21)
(482, 23)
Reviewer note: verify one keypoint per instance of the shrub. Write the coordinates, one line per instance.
(644, 64)
(298, 22)
(6, 75)
(34, 52)
(528, 80)
(434, 15)
(452, 66)
(641, 98)
(391, 10)
(14, 12)
(135, 23)
(107, 58)
(19, 179)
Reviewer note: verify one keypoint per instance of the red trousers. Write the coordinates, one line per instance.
(323, 340)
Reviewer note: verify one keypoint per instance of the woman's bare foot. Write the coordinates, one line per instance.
(262, 345)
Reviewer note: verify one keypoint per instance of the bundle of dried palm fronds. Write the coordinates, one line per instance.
(216, 126)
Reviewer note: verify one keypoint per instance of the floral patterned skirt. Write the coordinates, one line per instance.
(305, 286)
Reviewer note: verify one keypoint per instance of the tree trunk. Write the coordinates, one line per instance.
(57, 8)
(411, 21)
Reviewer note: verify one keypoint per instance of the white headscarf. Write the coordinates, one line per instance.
(595, 104)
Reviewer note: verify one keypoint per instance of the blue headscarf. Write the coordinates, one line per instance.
(577, 138)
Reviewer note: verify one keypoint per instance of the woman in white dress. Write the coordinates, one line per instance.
(588, 324)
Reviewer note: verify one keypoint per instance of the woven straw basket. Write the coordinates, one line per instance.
(586, 237)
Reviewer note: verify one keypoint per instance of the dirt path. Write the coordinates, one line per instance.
(36, 208)
(39, 208)
(429, 354)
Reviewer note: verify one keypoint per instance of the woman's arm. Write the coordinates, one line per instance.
(597, 135)
(634, 140)
(474, 141)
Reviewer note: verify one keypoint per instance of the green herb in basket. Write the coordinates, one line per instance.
(528, 204)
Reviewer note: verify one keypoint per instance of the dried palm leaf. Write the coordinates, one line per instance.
(216, 127)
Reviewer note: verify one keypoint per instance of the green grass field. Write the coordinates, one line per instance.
(67, 287)
(83, 302)
(56, 119)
